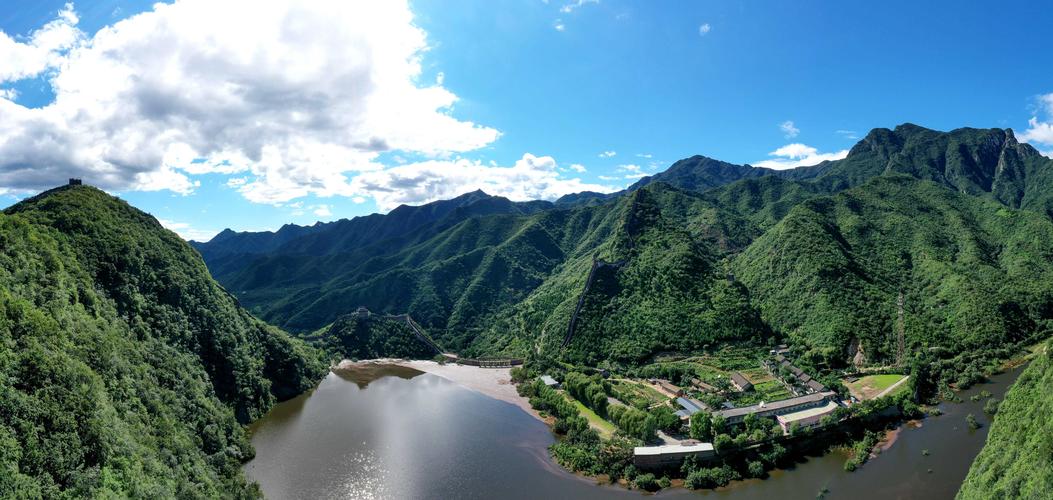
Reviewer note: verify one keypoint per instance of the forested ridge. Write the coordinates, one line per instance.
(950, 230)
(125, 370)
(1016, 462)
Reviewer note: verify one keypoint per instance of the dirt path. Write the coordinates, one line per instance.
(893, 387)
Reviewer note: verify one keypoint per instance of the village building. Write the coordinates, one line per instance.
(702, 386)
(739, 382)
(653, 457)
(669, 387)
(808, 417)
(734, 416)
(689, 407)
(801, 378)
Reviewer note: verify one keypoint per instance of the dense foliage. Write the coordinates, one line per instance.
(1016, 461)
(969, 275)
(125, 371)
(371, 337)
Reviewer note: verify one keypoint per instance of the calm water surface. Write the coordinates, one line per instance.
(394, 432)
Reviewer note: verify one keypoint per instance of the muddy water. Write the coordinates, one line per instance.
(392, 432)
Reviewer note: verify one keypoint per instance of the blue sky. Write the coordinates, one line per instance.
(525, 99)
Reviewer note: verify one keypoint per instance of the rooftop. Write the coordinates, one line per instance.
(776, 405)
(548, 380)
(689, 405)
(808, 413)
(672, 448)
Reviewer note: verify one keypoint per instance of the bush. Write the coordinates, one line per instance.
(991, 406)
(756, 469)
(711, 477)
(970, 419)
(646, 482)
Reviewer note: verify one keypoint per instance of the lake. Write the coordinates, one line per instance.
(394, 432)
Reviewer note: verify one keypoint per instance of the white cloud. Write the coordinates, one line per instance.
(629, 168)
(577, 167)
(559, 26)
(847, 134)
(789, 129)
(1040, 131)
(607, 154)
(530, 178)
(798, 155)
(187, 232)
(44, 48)
(294, 96)
(608, 178)
(644, 155)
(322, 211)
(570, 7)
(703, 29)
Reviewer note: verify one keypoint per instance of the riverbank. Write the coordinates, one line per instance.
(492, 382)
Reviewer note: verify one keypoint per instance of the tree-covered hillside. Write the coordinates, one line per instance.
(819, 254)
(371, 336)
(125, 371)
(970, 274)
(1017, 461)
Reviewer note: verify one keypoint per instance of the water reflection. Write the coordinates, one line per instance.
(392, 432)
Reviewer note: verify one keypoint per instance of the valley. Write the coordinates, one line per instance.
(710, 326)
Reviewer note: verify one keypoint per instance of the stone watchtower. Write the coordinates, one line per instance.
(74, 182)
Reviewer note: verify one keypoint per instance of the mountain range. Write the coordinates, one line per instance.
(951, 224)
(128, 371)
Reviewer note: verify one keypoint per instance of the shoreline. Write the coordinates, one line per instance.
(495, 383)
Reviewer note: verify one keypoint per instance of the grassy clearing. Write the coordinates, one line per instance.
(603, 427)
(870, 386)
(772, 390)
(636, 394)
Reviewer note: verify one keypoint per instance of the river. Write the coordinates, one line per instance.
(394, 432)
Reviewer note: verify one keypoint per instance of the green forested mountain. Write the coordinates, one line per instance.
(699, 173)
(246, 259)
(969, 273)
(1016, 462)
(817, 254)
(372, 336)
(125, 370)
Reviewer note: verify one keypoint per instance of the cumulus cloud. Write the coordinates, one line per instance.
(798, 155)
(559, 25)
(577, 167)
(631, 171)
(1040, 131)
(571, 7)
(42, 50)
(789, 129)
(323, 211)
(703, 29)
(185, 231)
(607, 154)
(530, 178)
(292, 96)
